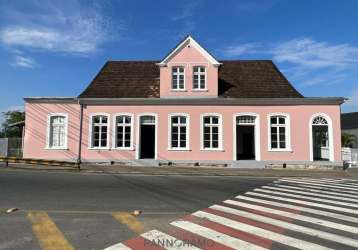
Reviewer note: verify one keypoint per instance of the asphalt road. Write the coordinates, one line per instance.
(89, 210)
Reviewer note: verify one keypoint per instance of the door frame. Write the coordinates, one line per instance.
(139, 135)
(256, 134)
(330, 135)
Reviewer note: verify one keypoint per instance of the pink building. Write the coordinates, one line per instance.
(189, 107)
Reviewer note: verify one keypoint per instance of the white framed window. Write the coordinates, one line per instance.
(123, 131)
(178, 76)
(279, 132)
(57, 126)
(199, 78)
(99, 127)
(178, 132)
(211, 132)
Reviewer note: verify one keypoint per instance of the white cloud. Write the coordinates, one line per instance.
(310, 53)
(304, 60)
(59, 29)
(22, 61)
(241, 49)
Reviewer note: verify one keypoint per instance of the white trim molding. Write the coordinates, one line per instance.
(187, 116)
(221, 136)
(137, 147)
(90, 134)
(189, 41)
(114, 131)
(330, 135)
(287, 133)
(49, 116)
(257, 134)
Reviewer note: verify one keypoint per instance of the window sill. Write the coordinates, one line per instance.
(200, 90)
(104, 148)
(179, 149)
(178, 90)
(123, 149)
(280, 150)
(65, 148)
(212, 149)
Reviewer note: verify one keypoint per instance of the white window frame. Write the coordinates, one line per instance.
(287, 133)
(48, 146)
(330, 135)
(114, 131)
(221, 136)
(171, 74)
(137, 148)
(187, 147)
(257, 132)
(199, 74)
(90, 137)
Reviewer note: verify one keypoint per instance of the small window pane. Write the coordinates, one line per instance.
(215, 144)
(215, 120)
(273, 144)
(281, 120)
(206, 144)
(282, 144)
(207, 119)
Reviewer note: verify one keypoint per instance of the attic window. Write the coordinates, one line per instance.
(178, 78)
(199, 78)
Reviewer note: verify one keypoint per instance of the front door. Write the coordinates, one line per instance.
(147, 137)
(245, 142)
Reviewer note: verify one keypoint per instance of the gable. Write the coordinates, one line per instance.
(189, 49)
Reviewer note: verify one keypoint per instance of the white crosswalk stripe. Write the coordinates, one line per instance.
(300, 208)
(119, 246)
(318, 187)
(286, 240)
(311, 190)
(333, 184)
(348, 210)
(323, 185)
(295, 216)
(214, 235)
(335, 197)
(302, 213)
(289, 226)
(167, 241)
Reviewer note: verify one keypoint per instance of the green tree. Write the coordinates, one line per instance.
(11, 117)
(348, 139)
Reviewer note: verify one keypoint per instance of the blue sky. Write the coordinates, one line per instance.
(55, 48)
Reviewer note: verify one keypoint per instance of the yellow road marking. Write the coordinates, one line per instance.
(130, 221)
(47, 233)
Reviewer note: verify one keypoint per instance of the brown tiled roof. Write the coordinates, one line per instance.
(237, 79)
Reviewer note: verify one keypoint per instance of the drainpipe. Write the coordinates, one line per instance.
(79, 157)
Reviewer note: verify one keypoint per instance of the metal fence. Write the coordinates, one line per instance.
(11, 147)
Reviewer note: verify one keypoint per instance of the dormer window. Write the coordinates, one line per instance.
(199, 78)
(178, 78)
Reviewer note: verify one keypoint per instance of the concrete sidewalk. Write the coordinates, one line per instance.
(197, 171)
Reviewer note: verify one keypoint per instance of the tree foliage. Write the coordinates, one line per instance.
(11, 117)
(348, 139)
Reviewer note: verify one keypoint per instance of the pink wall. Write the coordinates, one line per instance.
(189, 57)
(36, 120)
(36, 130)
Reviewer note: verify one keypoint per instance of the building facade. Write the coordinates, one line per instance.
(189, 107)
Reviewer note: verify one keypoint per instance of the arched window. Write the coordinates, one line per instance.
(99, 136)
(123, 132)
(57, 131)
(320, 132)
